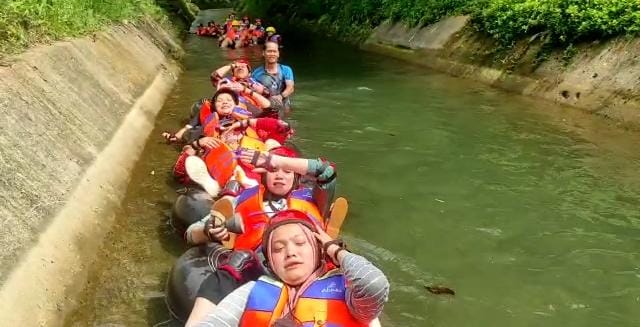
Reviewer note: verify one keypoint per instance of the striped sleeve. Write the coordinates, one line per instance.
(367, 287)
(229, 311)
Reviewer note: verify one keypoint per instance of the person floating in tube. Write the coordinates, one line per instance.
(314, 281)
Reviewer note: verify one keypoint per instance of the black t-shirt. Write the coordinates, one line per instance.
(218, 285)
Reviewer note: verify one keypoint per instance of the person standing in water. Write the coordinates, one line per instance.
(276, 78)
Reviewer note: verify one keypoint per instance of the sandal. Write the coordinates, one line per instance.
(338, 213)
(223, 211)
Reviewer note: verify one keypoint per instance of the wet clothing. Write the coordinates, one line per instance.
(233, 269)
(275, 85)
(217, 286)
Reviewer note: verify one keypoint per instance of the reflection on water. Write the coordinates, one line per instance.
(527, 210)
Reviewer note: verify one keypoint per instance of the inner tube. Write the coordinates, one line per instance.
(186, 276)
(191, 205)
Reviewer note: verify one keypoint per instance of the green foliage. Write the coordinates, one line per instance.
(23, 22)
(355, 19)
(566, 21)
(209, 4)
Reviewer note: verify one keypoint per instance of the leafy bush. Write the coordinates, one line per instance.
(566, 21)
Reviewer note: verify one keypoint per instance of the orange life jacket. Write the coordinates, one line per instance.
(221, 163)
(250, 206)
(321, 304)
(211, 120)
(231, 34)
(258, 32)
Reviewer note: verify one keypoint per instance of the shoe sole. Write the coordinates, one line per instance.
(198, 172)
(224, 206)
(338, 214)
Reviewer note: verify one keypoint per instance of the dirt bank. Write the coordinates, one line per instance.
(75, 118)
(599, 77)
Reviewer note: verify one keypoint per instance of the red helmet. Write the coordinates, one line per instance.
(287, 217)
(243, 61)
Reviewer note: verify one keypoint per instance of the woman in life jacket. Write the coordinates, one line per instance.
(281, 173)
(302, 290)
(218, 167)
(248, 89)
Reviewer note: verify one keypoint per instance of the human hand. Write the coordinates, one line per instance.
(235, 125)
(263, 161)
(215, 230)
(322, 236)
(236, 87)
(257, 87)
(209, 142)
(169, 137)
(328, 244)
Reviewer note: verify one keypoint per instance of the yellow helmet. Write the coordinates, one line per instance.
(271, 29)
(235, 23)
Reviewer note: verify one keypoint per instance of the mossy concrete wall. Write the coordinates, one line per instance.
(599, 77)
(74, 117)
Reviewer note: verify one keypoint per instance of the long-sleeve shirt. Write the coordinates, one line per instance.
(367, 291)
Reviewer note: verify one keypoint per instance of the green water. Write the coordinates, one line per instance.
(529, 211)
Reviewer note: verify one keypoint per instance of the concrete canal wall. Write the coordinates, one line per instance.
(74, 118)
(601, 77)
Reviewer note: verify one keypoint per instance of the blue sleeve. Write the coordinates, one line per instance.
(257, 73)
(287, 73)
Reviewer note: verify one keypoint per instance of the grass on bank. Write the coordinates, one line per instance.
(565, 21)
(25, 22)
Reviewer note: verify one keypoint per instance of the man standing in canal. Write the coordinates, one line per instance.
(277, 79)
